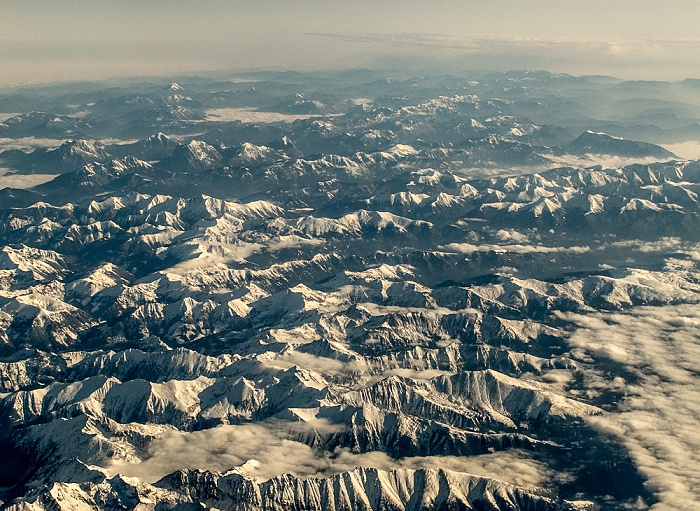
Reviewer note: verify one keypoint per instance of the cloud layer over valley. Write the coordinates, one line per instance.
(658, 417)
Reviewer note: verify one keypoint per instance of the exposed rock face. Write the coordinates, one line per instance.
(360, 489)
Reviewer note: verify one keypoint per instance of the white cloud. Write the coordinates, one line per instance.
(605, 160)
(267, 450)
(28, 144)
(511, 235)
(23, 180)
(581, 46)
(323, 365)
(659, 418)
(252, 116)
(666, 244)
(689, 150)
(661, 245)
(626, 58)
(468, 248)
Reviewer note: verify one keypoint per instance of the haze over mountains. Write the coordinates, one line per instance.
(350, 291)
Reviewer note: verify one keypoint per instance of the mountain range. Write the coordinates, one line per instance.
(367, 300)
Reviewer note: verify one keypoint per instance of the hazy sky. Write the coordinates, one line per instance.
(79, 39)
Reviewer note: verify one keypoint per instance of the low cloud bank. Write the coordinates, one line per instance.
(659, 416)
(267, 450)
(468, 248)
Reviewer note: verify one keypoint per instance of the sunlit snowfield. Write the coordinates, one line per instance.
(471, 291)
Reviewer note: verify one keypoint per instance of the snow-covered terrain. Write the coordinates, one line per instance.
(402, 303)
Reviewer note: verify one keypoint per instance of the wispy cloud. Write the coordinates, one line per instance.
(626, 58)
(29, 143)
(689, 150)
(22, 180)
(251, 115)
(666, 245)
(496, 43)
(659, 417)
(516, 248)
(267, 450)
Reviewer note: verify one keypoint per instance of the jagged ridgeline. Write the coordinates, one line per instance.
(342, 293)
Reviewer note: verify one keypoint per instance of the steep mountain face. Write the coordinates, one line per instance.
(601, 143)
(69, 156)
(339, 312)
(358, 489)
(42, 124)
(196, 155)
(154, 148)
